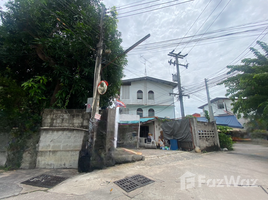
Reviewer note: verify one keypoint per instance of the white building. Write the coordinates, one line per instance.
(148, 97)
(221, 106)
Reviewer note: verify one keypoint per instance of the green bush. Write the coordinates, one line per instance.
(226, 141)
(259, 134)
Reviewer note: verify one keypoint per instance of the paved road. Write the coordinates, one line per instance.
(238, 174)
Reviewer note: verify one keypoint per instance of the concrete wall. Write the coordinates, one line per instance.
(61, 138)
(74, 118)
(157, 129)
(4, 140)
(59, 148)
(127, 136)
(205, 135)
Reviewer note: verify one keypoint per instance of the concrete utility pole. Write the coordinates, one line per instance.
(211, 115)
(177, 56)
(96, 95)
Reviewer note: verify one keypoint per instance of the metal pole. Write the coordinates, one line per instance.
(211, 115)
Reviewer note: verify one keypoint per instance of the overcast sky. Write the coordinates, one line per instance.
(207, 58)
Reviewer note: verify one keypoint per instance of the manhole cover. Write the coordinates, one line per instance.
(132, 183)
(44, 180)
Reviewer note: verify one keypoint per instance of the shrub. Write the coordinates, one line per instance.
(226, 141)
(259, 134)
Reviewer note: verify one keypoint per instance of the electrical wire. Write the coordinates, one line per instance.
(205, 21)
(193, 24)
(238, 57)
(211, 24)
(145, 7)
(68, 6)
(131, 5)
(162, 44)
(153, 9)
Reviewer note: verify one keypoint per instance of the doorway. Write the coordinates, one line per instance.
(144, 130)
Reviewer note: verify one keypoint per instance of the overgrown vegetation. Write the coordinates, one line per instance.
(259, 134)
(207, 115)
(249, 87)
(48, 51)
(225, 140)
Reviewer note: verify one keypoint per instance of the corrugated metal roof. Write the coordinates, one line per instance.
(228, 120)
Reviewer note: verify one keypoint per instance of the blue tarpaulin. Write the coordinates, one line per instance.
(228, 120)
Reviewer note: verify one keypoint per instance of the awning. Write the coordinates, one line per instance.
(142, 121)
(228, 120)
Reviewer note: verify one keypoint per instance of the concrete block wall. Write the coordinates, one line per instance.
(61, 139)
(206, 136)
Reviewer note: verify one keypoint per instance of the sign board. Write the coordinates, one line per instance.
(97, 116)
(89, 104)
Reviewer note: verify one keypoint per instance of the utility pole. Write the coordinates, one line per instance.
(96, 95)
(211, 115)
(176, 62)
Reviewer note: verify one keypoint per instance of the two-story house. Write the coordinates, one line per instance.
(222, 106)
(148, 97)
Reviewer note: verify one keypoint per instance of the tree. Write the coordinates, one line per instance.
(48, 49)
(47, 59)
(249, 87)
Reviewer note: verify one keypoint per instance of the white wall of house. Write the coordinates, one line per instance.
(162, 103)
(221, 107)
(155, 129)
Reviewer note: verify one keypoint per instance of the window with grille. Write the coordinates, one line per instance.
(140, 112)
(151, 95)
(125, 92)
(139, 94)
(220, 106)
(123, 110)
(151, 112)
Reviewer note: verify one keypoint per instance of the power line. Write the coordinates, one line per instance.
(205, 21)
(193, 23)
(211, 24)
(219, 75)
(67, 6)
(154, 9)
(146, 7)
(131, 5)
(244, 30)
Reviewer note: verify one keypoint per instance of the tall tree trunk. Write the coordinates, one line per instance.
(53, 98)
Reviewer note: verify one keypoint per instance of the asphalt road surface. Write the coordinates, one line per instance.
(239, 174)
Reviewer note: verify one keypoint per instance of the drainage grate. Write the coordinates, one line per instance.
(141, 180)
(44, 180)
(132, 183)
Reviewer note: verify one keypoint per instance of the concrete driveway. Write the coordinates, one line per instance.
(238, 174)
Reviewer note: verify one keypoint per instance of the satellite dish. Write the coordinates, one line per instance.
(102, 87)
